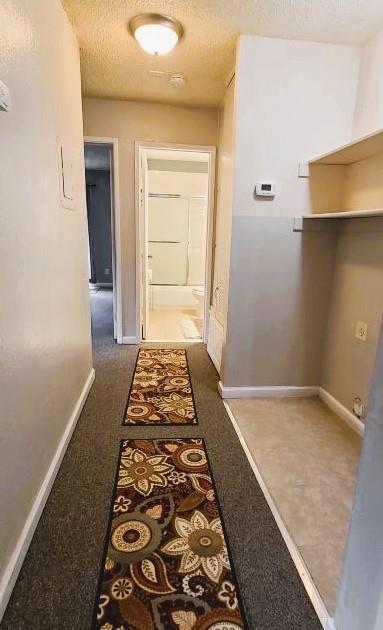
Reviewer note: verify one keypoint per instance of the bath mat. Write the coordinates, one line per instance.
(161, 391)
(166, 563)
(191, 329)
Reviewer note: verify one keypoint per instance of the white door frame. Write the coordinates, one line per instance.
(140, 146)
(116, 230)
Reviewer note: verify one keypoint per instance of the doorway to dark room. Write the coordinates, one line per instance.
(99, 183)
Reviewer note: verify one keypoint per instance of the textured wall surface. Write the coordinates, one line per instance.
(44, 316)
(114, 66)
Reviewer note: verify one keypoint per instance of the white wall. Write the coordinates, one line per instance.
(44, 315)
(293, 100)
(369, 104)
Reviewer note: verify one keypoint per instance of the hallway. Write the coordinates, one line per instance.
(57, 583)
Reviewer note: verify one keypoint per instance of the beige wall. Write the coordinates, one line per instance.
(44, 315)
(130, 121)
(357, 294)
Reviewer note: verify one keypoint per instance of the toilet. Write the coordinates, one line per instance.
(199, 296)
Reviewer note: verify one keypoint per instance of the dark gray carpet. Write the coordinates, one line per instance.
(57, 583)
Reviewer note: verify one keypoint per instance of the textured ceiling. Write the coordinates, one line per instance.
(114, 66)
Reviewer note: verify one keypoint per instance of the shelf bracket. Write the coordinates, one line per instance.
(302, 224)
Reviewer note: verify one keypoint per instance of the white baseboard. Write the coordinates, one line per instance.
(342, 411)
(267, 392)
(130, 341)
(300, 564)
(12, 570)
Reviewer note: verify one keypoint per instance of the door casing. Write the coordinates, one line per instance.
(141, 146)
(115, 230)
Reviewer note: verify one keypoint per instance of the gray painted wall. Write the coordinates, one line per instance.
(280, 288)
(99, 224)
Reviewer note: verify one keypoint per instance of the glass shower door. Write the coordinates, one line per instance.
(168, 236)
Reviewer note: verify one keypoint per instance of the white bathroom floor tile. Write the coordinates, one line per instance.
(165, 324)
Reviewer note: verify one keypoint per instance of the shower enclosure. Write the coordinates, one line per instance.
(176, 239)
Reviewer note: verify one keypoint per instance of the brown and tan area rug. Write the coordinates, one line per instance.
(166, 563)
(161, 391)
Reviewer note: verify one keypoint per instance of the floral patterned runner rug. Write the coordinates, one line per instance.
(166, 563)
(161, 391)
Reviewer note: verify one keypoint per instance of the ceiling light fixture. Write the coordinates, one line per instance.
(157, 34)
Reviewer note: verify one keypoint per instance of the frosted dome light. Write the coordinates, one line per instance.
(156, 34)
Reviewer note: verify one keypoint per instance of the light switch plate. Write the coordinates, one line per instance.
(303, 169)
(5, 98)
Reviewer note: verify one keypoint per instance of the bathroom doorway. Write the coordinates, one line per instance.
(174, 204)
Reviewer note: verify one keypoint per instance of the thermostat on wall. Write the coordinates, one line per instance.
(265, 189)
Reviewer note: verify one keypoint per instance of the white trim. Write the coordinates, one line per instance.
(116, 231)
(267, 392)
(130, 341)
(209, 243)
(15, 562)
(141, 145)
(342, 411)
(300, 564)
(215, 341)
(214, 359)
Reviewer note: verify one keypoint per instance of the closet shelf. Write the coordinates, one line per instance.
(354, 151)
(345, 214)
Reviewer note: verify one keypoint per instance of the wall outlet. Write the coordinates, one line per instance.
(107, 271)
(361, 331)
